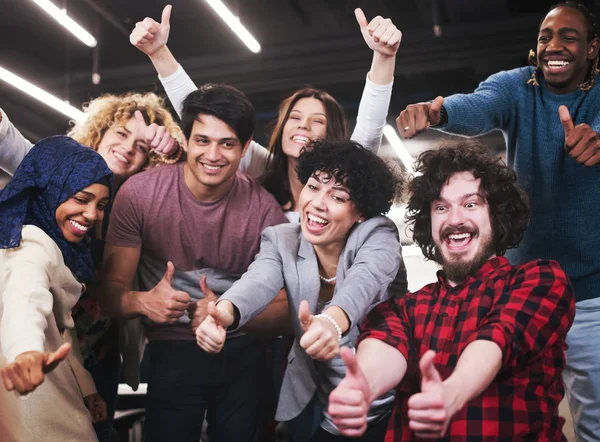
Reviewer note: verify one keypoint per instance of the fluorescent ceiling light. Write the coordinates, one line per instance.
(60, 15)
(41, 95)
(399, 147)
(234, 23)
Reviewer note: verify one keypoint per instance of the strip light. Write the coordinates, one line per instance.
(41, 95)
(234, 23)
(399, 147)
(60, 15)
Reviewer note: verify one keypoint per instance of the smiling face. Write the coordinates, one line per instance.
(461, 227)
(326, 211)
(124, 148)
(563, 51)
(82, 211)
(307, 122)
(214, 155)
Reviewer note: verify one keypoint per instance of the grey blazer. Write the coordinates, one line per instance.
(370, 262)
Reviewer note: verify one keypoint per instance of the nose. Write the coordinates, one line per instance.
(304, 123)
(318, 202)
(456, 217)
(554, 44)
(213, 153)
(129, 146)
(91, 213)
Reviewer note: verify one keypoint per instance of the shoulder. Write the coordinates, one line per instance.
(541, 269)
(518, 76)
(289, 233)
(379, 226)
(249, 187)
(38, 245)
(152, 177)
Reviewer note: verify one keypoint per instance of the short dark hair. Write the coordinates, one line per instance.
(508, 203)
(372, 184)
(224, 102)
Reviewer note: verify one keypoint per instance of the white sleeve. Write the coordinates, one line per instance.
(27, 300)
(84, 378)
(255, 161)
(13, 145)
(372, 114)
(178, 85)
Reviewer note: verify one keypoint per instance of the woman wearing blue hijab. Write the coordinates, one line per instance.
(57, 196)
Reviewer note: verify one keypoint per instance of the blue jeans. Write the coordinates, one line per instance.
(582, 374)
(185, 382)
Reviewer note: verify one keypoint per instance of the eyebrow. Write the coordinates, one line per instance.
(561, 31)
(337, 185)
(462, 197)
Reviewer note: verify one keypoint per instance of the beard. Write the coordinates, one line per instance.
(457, 269)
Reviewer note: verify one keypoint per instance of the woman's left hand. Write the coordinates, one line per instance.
(320, 338)
(97, 407)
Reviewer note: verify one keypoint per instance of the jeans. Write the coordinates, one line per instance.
(185, 383)
(106, 375)
(375, 433)
(582, 374)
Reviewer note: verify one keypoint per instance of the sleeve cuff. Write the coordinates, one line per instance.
(23, 345)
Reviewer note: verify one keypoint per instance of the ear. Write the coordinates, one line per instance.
(245, 149)
(593, 47)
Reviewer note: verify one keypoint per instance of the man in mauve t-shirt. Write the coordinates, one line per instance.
(176, 225)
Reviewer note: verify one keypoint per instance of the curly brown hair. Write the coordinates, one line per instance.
(103, 112)
(508, 203)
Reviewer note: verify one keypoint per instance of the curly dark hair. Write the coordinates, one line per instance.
(373, 185)
(508, 203)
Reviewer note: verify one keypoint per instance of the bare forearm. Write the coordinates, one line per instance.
(477, 367)
(383, 366)
(382, 69)
(118, 301)
(164, 62)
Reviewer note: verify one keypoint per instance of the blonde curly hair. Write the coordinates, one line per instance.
(103, 112)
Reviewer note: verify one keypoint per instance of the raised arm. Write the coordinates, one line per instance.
(383, 38)
(13, 145)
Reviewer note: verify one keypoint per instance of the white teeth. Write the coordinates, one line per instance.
(316, 219)
(211, 167)
(458, 236)
(79, 226)
(557, 63)
(121, 157)
(300, 139)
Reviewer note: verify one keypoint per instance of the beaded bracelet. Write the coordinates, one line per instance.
(335, 324)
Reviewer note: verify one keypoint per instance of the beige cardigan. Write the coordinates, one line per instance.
(37, 293)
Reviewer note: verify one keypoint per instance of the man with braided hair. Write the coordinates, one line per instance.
(550, 117)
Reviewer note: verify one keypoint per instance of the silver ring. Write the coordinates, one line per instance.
(406, 128)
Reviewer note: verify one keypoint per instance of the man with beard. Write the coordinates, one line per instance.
(549, 114)
(485, 343)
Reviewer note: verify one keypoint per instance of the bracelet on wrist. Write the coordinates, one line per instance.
(333, 322)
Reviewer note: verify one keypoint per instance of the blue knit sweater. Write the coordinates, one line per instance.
(564, 195)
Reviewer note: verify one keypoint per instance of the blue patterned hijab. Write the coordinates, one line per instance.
(55, 169)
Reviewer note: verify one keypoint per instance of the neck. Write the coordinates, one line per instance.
(202, 192)
(295, 184)
(328, 257)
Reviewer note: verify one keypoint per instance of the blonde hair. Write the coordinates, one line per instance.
(103, 112)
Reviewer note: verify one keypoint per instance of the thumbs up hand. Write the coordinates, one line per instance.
(320, 338)
(349, 402)
(198, 310)
(381, 35)
(417, 118)
(149, 36)
(29, 369)
(429, 411)
(581, 141)
(211, 333)
(163, 304)
(157, 137)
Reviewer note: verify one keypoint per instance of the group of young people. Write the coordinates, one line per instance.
(220, 242)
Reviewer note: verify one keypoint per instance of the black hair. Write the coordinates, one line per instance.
(224, 102)
(373, 186)
(591, 22)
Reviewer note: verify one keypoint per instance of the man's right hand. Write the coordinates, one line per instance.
(149, 36)
(417, 118)
(211, 334)
(28, 370)
(349, 401)
(163, 304)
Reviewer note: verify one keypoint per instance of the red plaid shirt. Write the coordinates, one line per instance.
(526, 310)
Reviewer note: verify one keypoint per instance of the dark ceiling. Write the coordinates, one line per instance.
(314, 42)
